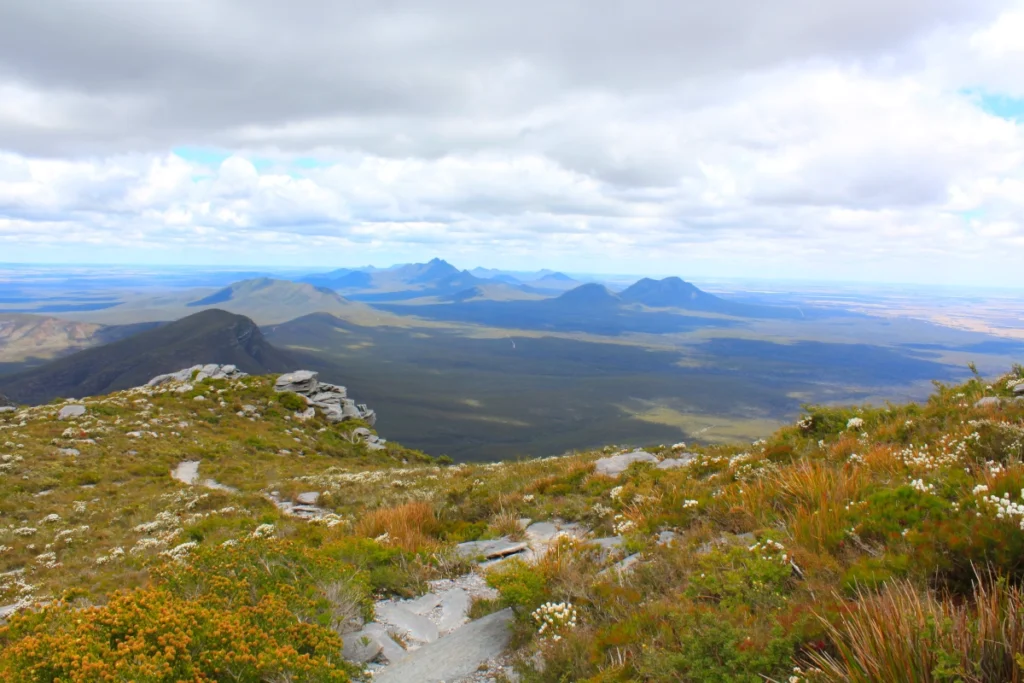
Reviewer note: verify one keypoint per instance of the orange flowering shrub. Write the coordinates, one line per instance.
(260, 610)
(152, 635)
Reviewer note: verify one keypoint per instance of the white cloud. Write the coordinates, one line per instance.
(713, 140)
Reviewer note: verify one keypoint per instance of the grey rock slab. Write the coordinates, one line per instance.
(610, 542)
(68, 451)
(1018, 390)
(542, 531)
(454, 656)
(300, 382)
(412, 626)
(8, 610)
(988, 402)
(158, 380)
(621, 567)
(361, 647)
(327, 397)
(391, 650)
(615, 465)
(666, 537)
(423, 604)
(187, 472)
(71, 411)
(489, 550)
(454, 610)
(217, 486)
(308, 498)
(7, 409)
(673, 463)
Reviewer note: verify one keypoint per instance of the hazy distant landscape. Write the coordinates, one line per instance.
(488, 364)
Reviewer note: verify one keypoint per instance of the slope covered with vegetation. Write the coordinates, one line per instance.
(210, 336)
(859, 544)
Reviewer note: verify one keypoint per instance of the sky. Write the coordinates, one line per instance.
(855, 140)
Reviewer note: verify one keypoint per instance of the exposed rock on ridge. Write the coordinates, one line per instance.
(331, 399)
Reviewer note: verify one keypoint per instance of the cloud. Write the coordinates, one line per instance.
(841, 139)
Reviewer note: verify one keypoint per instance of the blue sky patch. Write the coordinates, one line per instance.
(996, 104)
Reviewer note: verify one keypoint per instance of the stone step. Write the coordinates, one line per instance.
(456, 655)
(412, 626)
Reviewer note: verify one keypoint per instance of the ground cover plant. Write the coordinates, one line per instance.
(858, 544)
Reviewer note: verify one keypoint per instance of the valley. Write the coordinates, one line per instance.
(487, 365)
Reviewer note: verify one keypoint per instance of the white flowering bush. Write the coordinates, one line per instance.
(623, 524)
(770, 550)
(264, 531)
(554, 619)
(855, 423)
(181, 551)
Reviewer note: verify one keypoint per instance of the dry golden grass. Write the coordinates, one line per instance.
(903, 634)
(506, 523)
(411, 527)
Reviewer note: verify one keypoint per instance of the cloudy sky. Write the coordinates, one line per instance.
(878, 140)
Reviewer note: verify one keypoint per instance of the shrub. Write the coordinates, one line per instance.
(154, 635)
(291, 401)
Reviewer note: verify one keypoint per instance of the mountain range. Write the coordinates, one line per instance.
(437, 279)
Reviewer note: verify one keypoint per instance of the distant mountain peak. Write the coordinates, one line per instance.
(668, 292)
(266, 286)
(590, 294)
(559, 277)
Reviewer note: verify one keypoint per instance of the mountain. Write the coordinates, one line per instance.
(341, 279)
(423, 273)
(25, 337)
(265, 300)
(555, 277)
(591, 295)
(494, 290)
(673, 292)
(212, 336)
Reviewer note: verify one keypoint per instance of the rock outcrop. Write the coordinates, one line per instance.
(331, 399)
(197, 373)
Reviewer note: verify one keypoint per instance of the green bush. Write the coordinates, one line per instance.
(291, 401)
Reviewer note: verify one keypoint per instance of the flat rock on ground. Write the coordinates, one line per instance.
(411, 625)
(391, 650)
(68, 412)
(187, 472)
(454, 608)
(614, 465)
(683, 460)
(490, 549)
(455, 656)
(361, 646)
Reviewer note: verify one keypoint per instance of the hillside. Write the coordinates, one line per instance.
(209, 336)
(265, 300)
(25, 337)
(856, 544)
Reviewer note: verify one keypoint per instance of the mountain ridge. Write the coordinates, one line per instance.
(210, 336)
